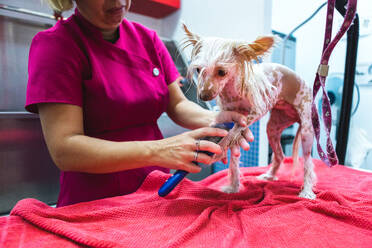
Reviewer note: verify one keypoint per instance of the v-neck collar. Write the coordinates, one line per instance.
(116, 49)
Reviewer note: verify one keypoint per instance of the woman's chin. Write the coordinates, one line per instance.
(113, 21)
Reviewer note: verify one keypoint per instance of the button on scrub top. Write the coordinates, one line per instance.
(122, 88)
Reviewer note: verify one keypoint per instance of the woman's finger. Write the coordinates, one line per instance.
(235, 151)
(248, 135)
(191, 167)
(208, 131)
(244, 144)
(231, 116)
(204, 158)
(205, 145)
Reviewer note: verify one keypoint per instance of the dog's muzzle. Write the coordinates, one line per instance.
(207, 91)
(206, 95)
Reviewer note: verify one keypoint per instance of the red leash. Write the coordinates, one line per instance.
(330, 158)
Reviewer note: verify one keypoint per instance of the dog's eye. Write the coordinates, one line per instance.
(221, 73)
(198, 70)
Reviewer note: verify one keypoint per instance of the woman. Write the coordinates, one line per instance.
(99, 83)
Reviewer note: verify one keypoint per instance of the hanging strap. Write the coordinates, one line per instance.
(330, 158)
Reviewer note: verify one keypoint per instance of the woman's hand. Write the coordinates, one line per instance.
(247, 136)
(179, 152)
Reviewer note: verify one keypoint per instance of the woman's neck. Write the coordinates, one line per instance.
(110, 35)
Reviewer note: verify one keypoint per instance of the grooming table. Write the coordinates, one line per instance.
(197, 214)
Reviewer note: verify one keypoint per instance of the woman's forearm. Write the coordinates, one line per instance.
(190, 115)
(86, 154)
(187, 113)
(72, 150)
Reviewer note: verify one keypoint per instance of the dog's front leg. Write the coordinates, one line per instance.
(235, 134)
(234, 176)
(232, 139)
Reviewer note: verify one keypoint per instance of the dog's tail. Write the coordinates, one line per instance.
(295, 150)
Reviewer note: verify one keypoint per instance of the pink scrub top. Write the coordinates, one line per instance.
(122, 88)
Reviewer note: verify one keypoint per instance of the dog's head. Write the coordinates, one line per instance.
(219, 61)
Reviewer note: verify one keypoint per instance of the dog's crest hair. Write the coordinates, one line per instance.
(256, 87)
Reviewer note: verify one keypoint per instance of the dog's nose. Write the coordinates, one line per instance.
(206, 95)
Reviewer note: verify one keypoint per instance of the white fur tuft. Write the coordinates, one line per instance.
(257, 87)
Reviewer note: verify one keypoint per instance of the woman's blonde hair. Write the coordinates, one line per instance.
(61, 5)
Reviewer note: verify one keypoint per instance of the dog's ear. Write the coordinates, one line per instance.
(255, 50)
(192, 38)
(262, 45)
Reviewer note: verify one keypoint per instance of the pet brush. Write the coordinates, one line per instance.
(177, 177)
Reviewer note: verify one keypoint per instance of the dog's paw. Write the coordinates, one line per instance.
(267, 177)
(308, 194)
(230, 189)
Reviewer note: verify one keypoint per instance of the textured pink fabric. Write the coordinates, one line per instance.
(17, 232)
(116, 86)
(197, 214)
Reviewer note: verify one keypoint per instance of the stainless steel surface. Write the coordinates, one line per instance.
(26, 169)
(18, 115)
(15, 40)
(26, 11)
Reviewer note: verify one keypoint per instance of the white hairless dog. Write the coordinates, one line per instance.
(226, 71)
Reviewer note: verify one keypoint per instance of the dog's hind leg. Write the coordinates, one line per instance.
(277, 123)
(309, 174)
(234, 176)
(307, 138)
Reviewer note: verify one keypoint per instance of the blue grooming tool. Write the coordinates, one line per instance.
(177, 177)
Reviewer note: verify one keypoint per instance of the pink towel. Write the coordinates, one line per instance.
(197, 214)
